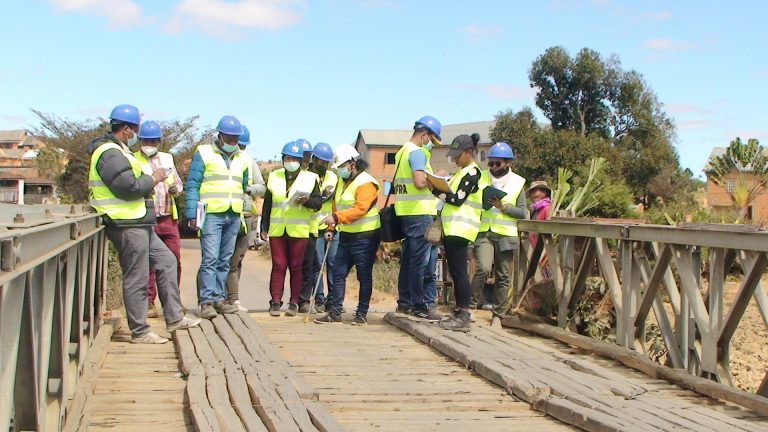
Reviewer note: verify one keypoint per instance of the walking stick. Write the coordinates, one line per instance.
(317, 284)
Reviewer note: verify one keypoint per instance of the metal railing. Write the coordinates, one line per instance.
(636, 262)
(53, 266)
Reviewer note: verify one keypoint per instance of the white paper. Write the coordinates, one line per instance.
(202, 210)
(439, 183)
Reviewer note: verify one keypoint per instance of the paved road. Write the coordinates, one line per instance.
(254, 281)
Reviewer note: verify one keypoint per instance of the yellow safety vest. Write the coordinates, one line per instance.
(248, 205)
(101, 197)
(409, 200)
(464, 220)
(345, 199)
(330, 179)
(285, 217)
(493, 218)
(222, 186)
(485, 217)
(166, 161)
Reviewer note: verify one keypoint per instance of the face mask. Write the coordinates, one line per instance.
(428, 146)
(132, 141)
(291, 166)
(149, 150)
(343, 172)
(229, 148)
(499, 172)
(320, 170)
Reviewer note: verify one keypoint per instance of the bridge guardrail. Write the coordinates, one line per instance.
(698, 331)
(53, 265)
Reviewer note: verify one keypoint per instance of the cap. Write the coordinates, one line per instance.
(539, 184)
(459, 144)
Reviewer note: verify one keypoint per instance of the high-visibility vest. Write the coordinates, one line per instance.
(496, 221)
(286, 217)
(464, 220)
(345, 199)
(485, 216)
(222, 186)
(330, 179)
(166, 161)
(101, 197)
(248, 206)
(409, 200)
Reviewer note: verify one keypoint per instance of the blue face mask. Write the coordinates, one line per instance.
(428, 146)
(343, 172)
(132, 141)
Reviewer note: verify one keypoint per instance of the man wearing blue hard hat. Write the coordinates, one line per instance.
(166, 212)
(415, 206)
(217, 181)
(498, 238)
(121, 191)
(257, 188)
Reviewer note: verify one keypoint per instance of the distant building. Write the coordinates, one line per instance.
(379, 147)
(718, 199)
(20, 181)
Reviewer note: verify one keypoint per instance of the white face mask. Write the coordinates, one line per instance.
(149, 150)
(291, 166)
(132, 141)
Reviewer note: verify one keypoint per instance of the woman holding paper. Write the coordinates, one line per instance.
(460, 217)
(292, 198)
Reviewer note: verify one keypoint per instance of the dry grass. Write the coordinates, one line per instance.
(114, 280)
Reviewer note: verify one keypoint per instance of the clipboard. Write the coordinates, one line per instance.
(296, 195)
(490, 193)
(439, 183)
(202, 210)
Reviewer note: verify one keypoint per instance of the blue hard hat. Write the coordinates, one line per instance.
(245, 137)
(293, 149)
(230, 125)
(432, 124)
(126, 114)
(501, 150)
(150, 129)
(323, 151)
(306, 147)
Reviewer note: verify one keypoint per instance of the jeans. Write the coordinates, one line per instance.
(168, 231)
(139, 249)
(308, 270)
(217, 243)
(319, 253)
(287, 253)
(360, 253)
(416, 264)
(430, 279)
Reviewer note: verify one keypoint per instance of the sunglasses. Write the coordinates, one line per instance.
(494, 164)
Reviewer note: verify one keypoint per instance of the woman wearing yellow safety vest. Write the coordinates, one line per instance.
(292, 198)
(356, 217)
(461, 223)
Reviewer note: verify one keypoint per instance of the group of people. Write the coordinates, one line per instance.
(320, 212)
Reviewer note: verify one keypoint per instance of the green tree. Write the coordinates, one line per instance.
(746, 165)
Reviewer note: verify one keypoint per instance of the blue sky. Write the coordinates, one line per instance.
(322, 70)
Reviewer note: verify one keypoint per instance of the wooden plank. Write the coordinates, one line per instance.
(80, 407)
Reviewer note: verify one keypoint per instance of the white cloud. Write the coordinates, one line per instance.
(226, 18)
(656, 16)
(686, 108)
(119, 13)
(667, 45)
(476, 33)
(379, 4)
(761, 74)
(501, 91)
(12, 118)
(746, 134)
(695, 124)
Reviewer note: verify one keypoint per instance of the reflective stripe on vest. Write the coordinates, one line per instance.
(166, 161)
(284, 218)
(101, 197)
(247, 198)
(345, 199)
(500, 223)
(330, 179)
(414, 201)
(464, 220)
(222, 186)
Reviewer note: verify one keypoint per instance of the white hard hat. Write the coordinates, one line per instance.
(344, 153)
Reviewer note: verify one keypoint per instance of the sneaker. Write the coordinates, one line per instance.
(208, 311)
(182, 324)
(274, 308)
(293, 309)
(306, 309)
(458, 322)
(496, 322)
(403, 310)
(429, 315)
(240, 307)
(328, 318)
(152, 311)
(320, 307)
(359, 320)
(149, 338)
(228, 307)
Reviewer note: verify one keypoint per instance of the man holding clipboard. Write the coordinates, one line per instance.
(503, 204)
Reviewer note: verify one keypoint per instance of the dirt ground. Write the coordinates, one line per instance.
(749, 347)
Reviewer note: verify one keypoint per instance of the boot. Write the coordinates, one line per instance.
(460, 321)
(207, 311)
(152, 311)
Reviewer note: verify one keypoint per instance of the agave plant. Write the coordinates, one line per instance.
(746, 165)
(584, 196)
